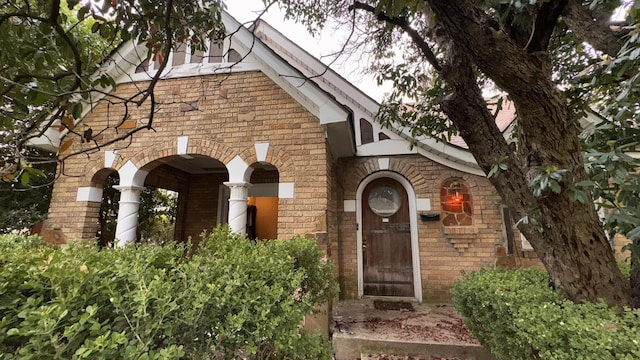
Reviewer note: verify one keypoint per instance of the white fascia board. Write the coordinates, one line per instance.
(49, 141)
(444, 148)
(125, 60)
(188, 70)
(386, 147)
(452, 162)
(326, 108)
(443, 154)
(330, 81)
(452, 156)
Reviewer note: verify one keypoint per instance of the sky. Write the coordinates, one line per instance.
(326, 43)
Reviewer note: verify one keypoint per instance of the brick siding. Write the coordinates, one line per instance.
(233, 112)
(441, 262)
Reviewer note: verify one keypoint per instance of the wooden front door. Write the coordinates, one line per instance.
(386, 240)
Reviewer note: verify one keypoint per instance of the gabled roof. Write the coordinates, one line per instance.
(334, 117)
(395, 141)
(341, 107)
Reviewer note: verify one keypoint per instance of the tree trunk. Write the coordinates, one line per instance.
(566, 235)
(635, 281)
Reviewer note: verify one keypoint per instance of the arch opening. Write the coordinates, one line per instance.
(106, 179)
(181, 198)
(262, 202)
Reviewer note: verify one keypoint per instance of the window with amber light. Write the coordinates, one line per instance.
(455, 200)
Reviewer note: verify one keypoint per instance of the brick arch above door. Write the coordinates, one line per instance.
(397, 165)
(267, 153)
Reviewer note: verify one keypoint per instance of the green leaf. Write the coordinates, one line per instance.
(555, 187)
(24, 178)
(76, 111)
(20, 107)
(585, 183)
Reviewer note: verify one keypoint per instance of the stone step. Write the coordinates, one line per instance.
(402, 357)
(349, 347)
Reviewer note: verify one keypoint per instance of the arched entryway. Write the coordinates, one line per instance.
(262, 212)
(105, 180)
(387, 239)
(196, 180)
(208, 193)
(262, 201)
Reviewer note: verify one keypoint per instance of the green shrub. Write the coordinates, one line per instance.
(151, 302)
(13, 241)
(625, 268)
(517, 316)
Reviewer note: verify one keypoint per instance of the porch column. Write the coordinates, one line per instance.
(127, 214)
(238, 206)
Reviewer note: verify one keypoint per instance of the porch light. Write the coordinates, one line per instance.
(456, 197)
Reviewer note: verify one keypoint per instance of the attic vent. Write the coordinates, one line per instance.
(143, 67)
(179, 55)
(215, 51)
(234, 56)
(197, 57)
(366, 132)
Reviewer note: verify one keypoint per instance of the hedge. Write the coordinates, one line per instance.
(516, 315)
(228, 298)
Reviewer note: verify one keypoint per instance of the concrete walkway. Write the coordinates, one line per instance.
(401, 331)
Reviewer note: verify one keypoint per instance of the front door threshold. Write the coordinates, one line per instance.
(390, 298)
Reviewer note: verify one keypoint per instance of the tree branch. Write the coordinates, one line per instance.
(545, 22)
(166, 52)
(402, 23)
(592, 28)
(77, 58)
(55, 11)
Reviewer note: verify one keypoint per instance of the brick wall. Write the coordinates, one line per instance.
(444, 252)
(226, 116)
(201, 207)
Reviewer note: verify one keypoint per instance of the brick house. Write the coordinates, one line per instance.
(264, 148)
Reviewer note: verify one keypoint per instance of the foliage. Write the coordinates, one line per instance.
(52, 52)
(108, 213)
(157, 215)
(10, 242)
(24, 200)
(41, 58)
(556, 62)
(518, 316)
(228, 297)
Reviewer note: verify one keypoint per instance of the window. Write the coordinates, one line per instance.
(455, 200)
(384, 201)
(366, 132)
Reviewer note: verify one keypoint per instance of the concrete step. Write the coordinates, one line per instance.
(350, 347)
(401, 357)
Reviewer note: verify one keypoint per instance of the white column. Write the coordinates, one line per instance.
(127, 214)
(238, 206)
